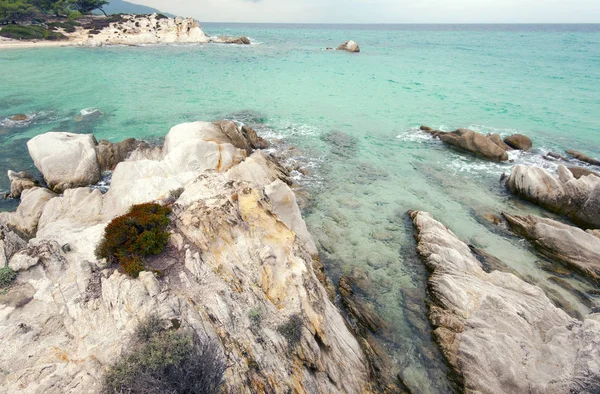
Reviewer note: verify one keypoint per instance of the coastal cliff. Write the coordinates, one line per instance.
(240, 269)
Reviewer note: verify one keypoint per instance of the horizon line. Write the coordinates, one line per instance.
(408, 23)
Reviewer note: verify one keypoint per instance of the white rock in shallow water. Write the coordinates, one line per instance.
(66, 160)
(501, 334)
(578, 199)
(349, 46)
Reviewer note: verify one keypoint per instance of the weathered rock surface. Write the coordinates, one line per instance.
(475, 143)
(562, 242)
(237, 246)
(583, 157)
(110, 154)
(499, 333)
(10, 243)
(496, 139)
(349, 46)
(66, 160)
(519, 141)
(577, 199)
(579, 172)
(24, 220)
(20, 181)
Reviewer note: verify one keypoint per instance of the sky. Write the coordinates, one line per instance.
(383, 11)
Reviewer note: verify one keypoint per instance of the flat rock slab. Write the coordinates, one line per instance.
(569, 244)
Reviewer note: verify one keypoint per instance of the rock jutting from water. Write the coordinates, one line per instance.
(577, 199)
(490, 146)
(583, 157)
(519, 141)
(499, 333)
(478, 144)
(559, 241)
(240, 264)
(349, 46)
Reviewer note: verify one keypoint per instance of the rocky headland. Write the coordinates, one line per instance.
(240, 268)
(93, 31)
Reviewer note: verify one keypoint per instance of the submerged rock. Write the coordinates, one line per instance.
(66, 160)
(19, 117)
(568, 244)
(519, 141)
(475, 143)
(577, 199)
(500, 334)
(582, 157)
(349, 46)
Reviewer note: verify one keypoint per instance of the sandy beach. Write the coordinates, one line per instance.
(18, 44)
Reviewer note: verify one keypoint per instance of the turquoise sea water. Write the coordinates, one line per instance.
(354, 120)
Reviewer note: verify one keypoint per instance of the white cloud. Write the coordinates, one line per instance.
(384, 11)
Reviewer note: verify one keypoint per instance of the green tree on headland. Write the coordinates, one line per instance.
(15, 11)
(87, 6)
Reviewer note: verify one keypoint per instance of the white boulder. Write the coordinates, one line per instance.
(66, 160)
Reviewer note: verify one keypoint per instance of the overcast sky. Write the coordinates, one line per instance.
(384, 11)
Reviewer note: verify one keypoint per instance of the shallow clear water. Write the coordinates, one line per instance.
(354, 120)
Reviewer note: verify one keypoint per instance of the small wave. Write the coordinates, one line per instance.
(104, 183)
(415, 134)
(89, 111)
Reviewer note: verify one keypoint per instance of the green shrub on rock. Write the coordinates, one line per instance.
(292, 329)
(166, 361)
(139, 233)
(7, 276)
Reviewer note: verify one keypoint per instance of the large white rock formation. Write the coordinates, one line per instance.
(238, 244)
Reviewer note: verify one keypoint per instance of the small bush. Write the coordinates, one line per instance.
(31, 32)
(161, 16)
(7, 276)
(292, 329)
(23, 32)
(139, 233)
(255, 317)
(166, 361)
